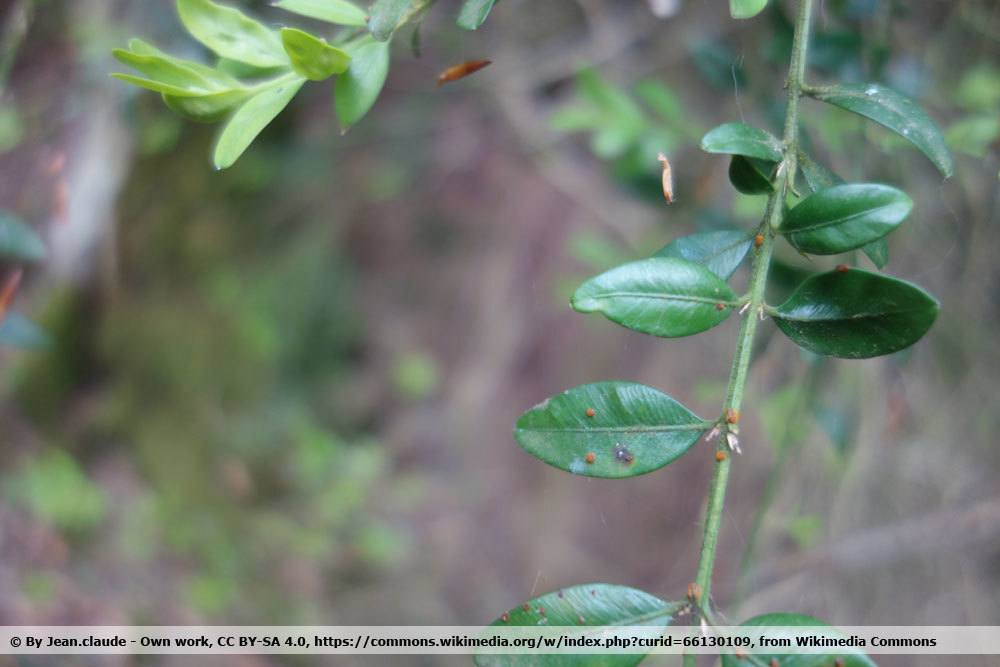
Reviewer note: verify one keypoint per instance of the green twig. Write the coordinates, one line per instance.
(758, 281)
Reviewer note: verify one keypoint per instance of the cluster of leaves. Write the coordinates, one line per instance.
(259, 70)
(623, 429)
(19, 245)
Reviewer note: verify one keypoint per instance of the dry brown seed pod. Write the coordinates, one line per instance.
(456, 72)
(668, 178)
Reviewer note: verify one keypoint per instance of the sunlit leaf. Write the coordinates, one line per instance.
(721, 252)
(896, 112)
(856, 314)
(584, 606)
(745, 9)
(357, 89)
(385, 16)
(231, 34)
(339, 12)
(661, 296)
(311, 56)
(609, 429)
(251, 118)
(845, 217)
(18, 241)
(207, 108)
(474, 13)
(849, 657)
(742, 139)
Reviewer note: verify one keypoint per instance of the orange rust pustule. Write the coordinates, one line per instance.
(590, 457)
(720, 456)
(758, 240)
(732, 416)
(720, 306)
(505, 617)
(774, 663)
(842, 268)
(590, 412)
(694, 592)
(456, 72)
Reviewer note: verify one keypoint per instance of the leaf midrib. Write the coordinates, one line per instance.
(840, 221)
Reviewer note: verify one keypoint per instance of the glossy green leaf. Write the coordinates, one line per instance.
(584, 606)
(231, 34)
(207, 108)
(745, 9)
(856, 314)
(896, 112)
(357, 89)
(751, 176)
(474, 13)
(851, 656)
(251, 118)
(311, 56)
(385, 16)
(16, 330)
(845, 217)
(340, 12)
(635, 429)
(818, 177)
(742, 139)
(18, 241)
(661, 296)
(721, 252)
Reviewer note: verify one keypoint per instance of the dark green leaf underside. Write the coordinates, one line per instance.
(742, 139)
(850, 657)
(634, 429)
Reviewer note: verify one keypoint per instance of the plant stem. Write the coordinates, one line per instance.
(758, 281)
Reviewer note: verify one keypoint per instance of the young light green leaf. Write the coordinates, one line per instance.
(742, 139)
(856, 314)
(208, 108)
(340, 12)
(849, 657)
(217, 78)
(584, 606)
(231, 34)
(896, 112)
(473, 13)
(661, 296)
(751, 176)
(385, 16)
(845, 217)
(18, 241)
(166, 72)
(358, 88)
(721, 252)
(634, 429)
(311, 56)
(745, 9)
(16, 330)
(251, 118)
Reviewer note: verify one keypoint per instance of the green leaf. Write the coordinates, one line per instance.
(16, 330)
(358, 88)
(18, 241)
(974, 135)
(206, 108)
(220, 80)
(845, 217)
(311, 56)
(473, 13)
(584, 605)
(720, 252)
(856, 314)
(896, 112)
(751, 176)
(817, 176)
(385, 16)
(745, 9)
(339, 12)
(742, 139)
(251, 118)
(231, 34)
(877, 252)
(635, 429)
(851, 657)
(661, 296)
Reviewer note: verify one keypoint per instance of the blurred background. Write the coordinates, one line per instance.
(284, 393)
